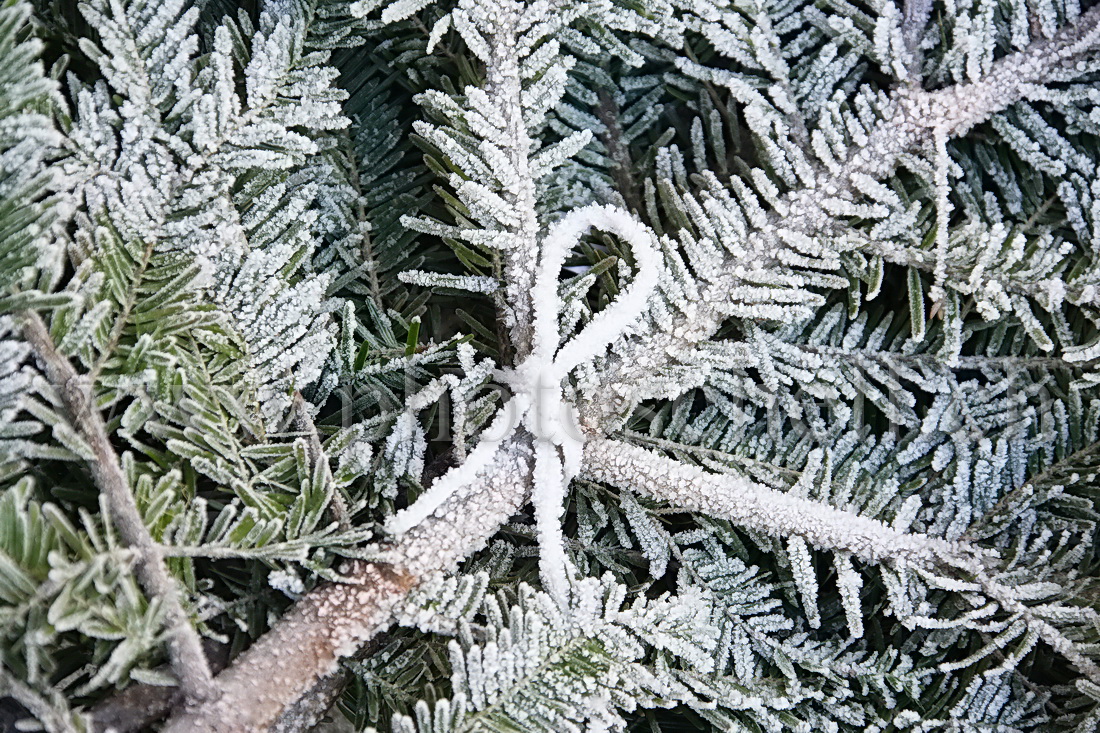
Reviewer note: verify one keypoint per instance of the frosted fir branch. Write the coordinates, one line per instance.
(1046, 631)
(1058, 473)
(770, 512)
(133, 65)
(931, 360)
(189, 161)
(972, 264)
(31, 189)
(1035, 619)
(914, 22)
(915, 117)
(781, 515)
(184, 643)
(745, 33)
(176, 191)
(286, 325)
(911, 120)
(540, 671)
(303, 650)
(493, 31)
(490, 133)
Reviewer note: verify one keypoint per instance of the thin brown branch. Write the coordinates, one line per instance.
(301, 651)
(184, 643)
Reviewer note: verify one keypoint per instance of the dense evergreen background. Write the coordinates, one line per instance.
(230, 280)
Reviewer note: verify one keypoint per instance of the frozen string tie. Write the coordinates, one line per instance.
(538, 401)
